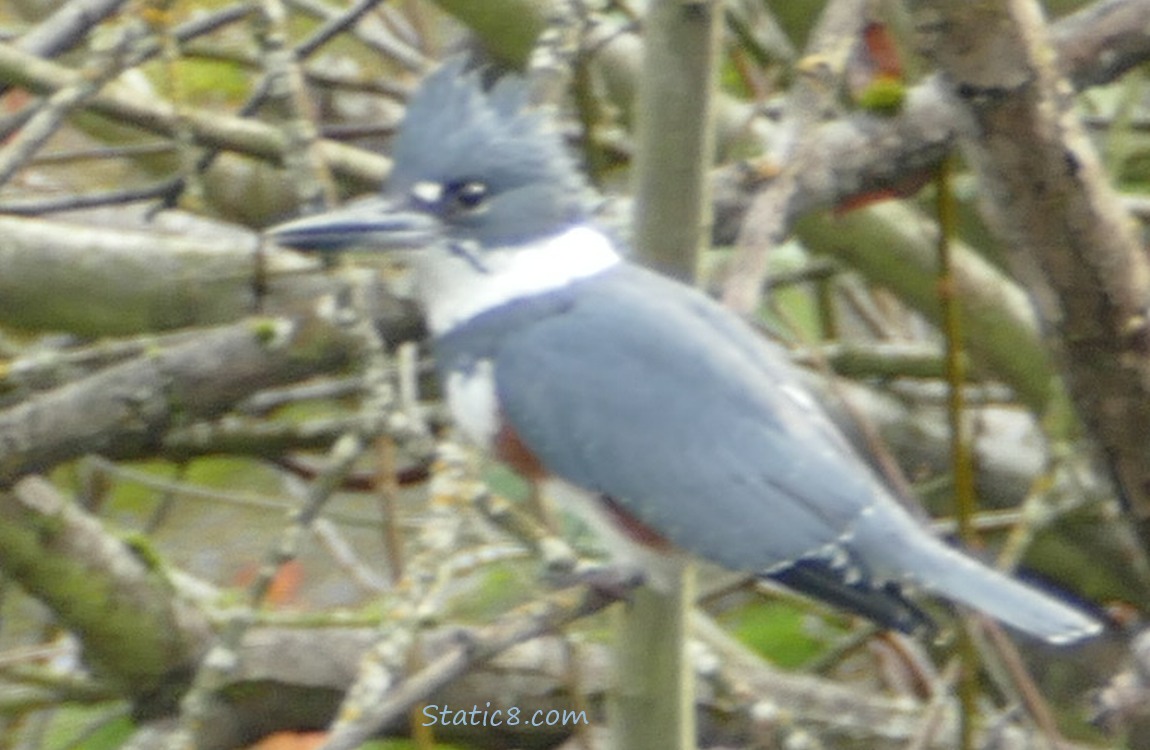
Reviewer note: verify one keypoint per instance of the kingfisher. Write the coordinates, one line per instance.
(661, 416)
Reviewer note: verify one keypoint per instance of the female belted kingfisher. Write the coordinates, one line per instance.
(653, 405)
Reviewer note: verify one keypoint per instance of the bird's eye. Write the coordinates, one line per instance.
(464, 197)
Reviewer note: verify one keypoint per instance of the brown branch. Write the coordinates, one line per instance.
(291, 678)
(134, 630)
(1068, 237)
(811, 102)
(472, 647)
(125, 410)
(177, 273)
(888, 246)
(1123, 704)
(1102, 41)
(861, 154)
(209, 129)
(66, 26)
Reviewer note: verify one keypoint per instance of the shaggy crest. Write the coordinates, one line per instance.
(456, 130)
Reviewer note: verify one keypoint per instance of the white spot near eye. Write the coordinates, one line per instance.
(426, 191)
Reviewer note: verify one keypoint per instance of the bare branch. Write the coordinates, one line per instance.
(180, 272)
(125, 410)
(861, 154)
(212, 129)
(134, 630)
(1069, 239)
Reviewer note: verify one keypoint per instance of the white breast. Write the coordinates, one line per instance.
(473, 403)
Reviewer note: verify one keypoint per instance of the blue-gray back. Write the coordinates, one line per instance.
(645, 390)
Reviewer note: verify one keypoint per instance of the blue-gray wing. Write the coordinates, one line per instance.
(648, 392)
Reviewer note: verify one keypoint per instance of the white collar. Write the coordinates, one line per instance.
(454, 288)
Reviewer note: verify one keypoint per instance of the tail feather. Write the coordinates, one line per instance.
(893, 546)
(952, 575)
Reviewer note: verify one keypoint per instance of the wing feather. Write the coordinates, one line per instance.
(648, 392)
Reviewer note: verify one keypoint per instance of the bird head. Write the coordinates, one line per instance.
(474, 170)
